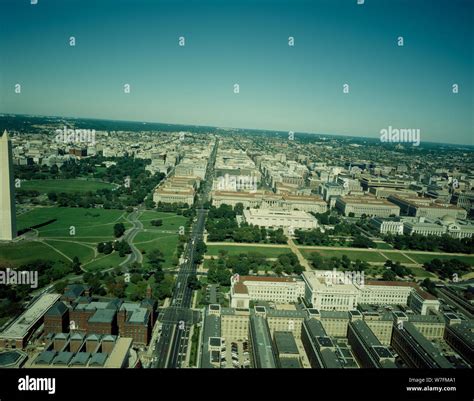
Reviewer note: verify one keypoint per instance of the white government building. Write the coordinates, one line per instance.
(343, 295)
(269, 200)
(294, 219)
(281, 290)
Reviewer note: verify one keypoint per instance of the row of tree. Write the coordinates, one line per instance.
(318, 238)
(221, 225)
(220, 270)
(450, 269)
(444, 243)
(122, 247)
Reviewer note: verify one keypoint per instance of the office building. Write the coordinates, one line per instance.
(414, 349)
(387, 226)
(294, 219)
(460, 337)
(285, 346)
(366, 205)
(17, 334)
(280, 290)
(234, 323)
(319, 347)
(263, 355)
(325, 293)
(368, 350)
(426, 207)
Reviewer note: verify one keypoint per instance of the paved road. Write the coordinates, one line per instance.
(130, 234)
(177, 320)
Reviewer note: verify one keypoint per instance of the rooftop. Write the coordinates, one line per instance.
(285, 342)
(23, 324)
(103, 316)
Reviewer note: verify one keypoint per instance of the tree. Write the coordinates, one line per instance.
(388, 275)
(52, 196)
(165, 288)
(155, 258)
(239, 209)
(138, 291)
(429, 285)
(60, 286)
(278, 269)
(119, 230)
(317, 261)
(362, 242)
(108, 248)
(193, 282)
(76, 265)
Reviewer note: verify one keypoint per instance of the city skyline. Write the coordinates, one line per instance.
(286, 88)
(206, 189)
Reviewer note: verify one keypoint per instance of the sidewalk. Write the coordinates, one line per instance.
(299, 255)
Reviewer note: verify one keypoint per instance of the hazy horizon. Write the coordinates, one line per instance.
(282, 88)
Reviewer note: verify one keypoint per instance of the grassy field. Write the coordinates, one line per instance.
(422, 273)
(24, 252)
(269, 252)
(383, 245)
(351, 254)
(67, 186)
(91, 226)
(82, 251)
(171, 221)
(164, 237)
(166, 243)
(104, 262)
(375, 256)
(423, 257)
(397, 257)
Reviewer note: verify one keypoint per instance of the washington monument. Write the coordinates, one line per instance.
(7, 191)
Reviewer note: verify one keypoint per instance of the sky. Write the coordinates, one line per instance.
(288, 88)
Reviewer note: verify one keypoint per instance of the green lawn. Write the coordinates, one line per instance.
(86, 222)
(164, 237)
(383, 245)
(420, 272)
(91, 226)
(269, 252)
(368, 256)
(397, 257)
(105, 262)
(171, 221)
(374, 256)
(27, 251)
(423, 257)
(166, 244)
(83, 252)
(67, 186)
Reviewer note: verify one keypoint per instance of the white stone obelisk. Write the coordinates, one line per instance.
(7, 191)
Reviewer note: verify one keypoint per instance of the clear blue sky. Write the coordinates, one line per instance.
(246, 42)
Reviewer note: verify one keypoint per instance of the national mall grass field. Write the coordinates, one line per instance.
(67, 186)
(55, 242)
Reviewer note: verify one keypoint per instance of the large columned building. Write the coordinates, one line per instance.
(7, 191)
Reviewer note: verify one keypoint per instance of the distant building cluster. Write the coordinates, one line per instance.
(185, 176)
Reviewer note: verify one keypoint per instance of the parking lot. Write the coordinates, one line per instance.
(236, 354)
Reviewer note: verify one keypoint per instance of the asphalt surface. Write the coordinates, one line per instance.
(129, 236)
